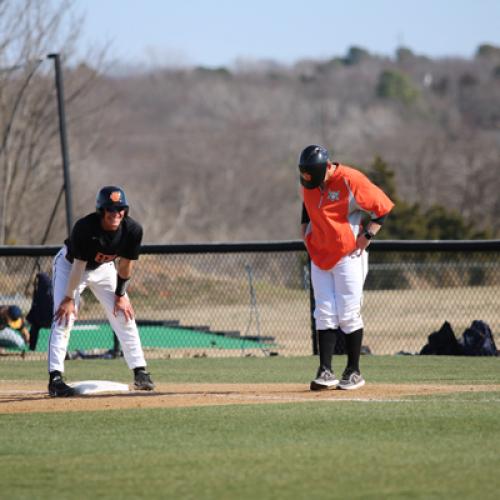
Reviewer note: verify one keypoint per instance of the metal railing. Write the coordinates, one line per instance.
(234, 299)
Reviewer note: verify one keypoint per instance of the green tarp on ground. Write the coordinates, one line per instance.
(100, 336)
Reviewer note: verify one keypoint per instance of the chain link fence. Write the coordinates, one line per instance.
(255, 298)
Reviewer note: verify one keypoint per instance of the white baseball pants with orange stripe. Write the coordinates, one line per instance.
(102, 283)
(338, 293)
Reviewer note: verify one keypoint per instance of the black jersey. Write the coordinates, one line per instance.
(91, 243)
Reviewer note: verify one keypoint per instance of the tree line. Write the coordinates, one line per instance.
(210, 154)
(411, 221)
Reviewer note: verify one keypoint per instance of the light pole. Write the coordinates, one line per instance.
(63, 138)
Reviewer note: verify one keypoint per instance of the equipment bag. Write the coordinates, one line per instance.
(41, 312)
(477, 340)
(443, 342)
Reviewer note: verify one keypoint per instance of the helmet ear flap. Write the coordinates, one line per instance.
(313, 162)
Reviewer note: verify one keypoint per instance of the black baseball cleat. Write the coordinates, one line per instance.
(142, 381)
(58, 388)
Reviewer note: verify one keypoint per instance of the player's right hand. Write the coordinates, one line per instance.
(123, 304)
(66, 311)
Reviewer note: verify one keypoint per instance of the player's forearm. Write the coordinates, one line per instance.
(25, 334)
(373, 228)
(124, 273)
(75, 277)
(374, 225)
(303, 228)
(125, 268)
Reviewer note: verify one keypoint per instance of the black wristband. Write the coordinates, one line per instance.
(368, 235)
(121, 286)
(379, 220)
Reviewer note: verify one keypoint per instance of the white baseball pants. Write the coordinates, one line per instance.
(338, 293)
(102, 283)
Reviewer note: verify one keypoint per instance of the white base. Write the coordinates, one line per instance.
(98, 386)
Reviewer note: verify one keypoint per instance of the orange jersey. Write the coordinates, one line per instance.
(335, 213)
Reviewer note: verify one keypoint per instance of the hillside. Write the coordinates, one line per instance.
(210, 154)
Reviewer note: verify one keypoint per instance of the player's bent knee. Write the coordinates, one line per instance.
(324, 322)
(349, 325)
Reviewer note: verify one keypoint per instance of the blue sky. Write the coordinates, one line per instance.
(219, 32)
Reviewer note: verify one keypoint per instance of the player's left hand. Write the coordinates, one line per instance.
(123, 304)
(361, 244)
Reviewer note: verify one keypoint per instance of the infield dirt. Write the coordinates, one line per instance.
(27, 397)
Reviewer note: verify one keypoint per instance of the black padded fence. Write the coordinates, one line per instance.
(242, 299)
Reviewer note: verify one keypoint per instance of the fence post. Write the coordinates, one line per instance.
(314, 334)
(63, 139)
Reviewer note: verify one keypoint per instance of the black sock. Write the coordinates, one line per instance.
(54, 374)
(353, 347)
(139, 369)
(326, 341)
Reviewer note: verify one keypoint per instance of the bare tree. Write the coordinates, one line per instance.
(29, 149)
(211, 154)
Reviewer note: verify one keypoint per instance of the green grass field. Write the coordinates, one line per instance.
(439, 446)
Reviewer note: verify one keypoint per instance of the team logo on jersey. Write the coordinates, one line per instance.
(115, 196)
(101, 258)
(333, 195)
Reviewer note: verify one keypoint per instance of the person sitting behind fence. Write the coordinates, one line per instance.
(13, 331)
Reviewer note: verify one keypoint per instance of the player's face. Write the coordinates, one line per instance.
(330, 169)
(112, 219)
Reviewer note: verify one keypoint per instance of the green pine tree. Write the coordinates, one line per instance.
(408, 221)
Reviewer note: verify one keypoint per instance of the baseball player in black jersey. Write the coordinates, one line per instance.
(87, 259)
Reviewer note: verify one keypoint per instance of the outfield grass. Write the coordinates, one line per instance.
(376, 369)
(423, 447)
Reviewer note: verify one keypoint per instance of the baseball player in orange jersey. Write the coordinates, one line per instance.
(335, 197)
(87, 259)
